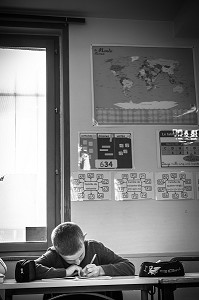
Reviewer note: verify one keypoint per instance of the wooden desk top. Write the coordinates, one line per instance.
(59, 282)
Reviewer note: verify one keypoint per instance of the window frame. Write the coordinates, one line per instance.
(58, 127)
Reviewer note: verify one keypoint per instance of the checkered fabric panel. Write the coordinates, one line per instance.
(113, 116)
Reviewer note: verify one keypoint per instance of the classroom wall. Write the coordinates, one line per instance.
(139, 230)
(146, 226)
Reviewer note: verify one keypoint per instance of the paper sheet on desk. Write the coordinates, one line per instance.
(94, 278)
(79, 278)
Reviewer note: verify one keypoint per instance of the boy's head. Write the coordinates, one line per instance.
(68, 240)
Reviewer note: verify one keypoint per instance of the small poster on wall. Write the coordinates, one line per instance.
(174, 185)
(143, 85)
(105, 151)
(134, 185)
(179, 148)
(90, 186)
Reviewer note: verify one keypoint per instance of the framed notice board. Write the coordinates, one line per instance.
(179, 148)
(105, 151)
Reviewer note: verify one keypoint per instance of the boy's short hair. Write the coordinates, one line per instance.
(67, 238)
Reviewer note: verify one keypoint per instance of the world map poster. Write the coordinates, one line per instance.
(143, 85)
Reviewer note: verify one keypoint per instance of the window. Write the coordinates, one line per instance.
(23, 144)
(31, 180)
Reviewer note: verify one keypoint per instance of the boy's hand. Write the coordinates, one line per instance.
(73, 270)
(92, 270)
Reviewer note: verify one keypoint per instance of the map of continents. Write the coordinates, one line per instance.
(149, 78)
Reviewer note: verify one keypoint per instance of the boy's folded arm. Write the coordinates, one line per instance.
(115, 265)
(123, 268)
(73, 270)
(43, 272)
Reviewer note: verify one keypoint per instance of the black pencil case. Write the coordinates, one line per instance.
(25, 270)
(161, 269)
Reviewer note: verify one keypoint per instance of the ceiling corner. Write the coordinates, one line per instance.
(186, 23)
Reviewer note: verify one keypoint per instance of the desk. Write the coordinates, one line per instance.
(169, 284)
(11, 287)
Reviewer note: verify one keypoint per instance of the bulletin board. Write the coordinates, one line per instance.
(105, 151)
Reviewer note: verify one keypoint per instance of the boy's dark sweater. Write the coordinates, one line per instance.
(52, 265)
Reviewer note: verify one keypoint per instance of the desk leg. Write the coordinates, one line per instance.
(144, 295)
(168, 292)
(8, 296)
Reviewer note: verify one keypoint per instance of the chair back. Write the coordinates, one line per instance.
(81, 296)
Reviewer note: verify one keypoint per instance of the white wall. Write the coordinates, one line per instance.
(131, 226)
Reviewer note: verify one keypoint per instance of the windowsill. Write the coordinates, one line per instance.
(28, 248)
